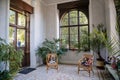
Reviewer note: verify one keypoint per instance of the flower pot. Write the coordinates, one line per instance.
(100, 64)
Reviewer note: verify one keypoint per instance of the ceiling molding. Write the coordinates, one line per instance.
(58, 2)
(44, 3)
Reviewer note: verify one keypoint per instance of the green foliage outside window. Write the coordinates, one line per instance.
(12, 17)
(71, 23)
(18, 27)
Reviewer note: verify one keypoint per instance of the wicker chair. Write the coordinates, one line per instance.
(86, 63)
(52, 61)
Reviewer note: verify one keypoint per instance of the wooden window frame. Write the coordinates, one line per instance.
(78, 25)
(16, 26)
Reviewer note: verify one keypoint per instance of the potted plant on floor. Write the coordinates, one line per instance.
(10, 60)
(97, 42)
(50, 46)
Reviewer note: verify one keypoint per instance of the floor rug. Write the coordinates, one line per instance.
(27, 70)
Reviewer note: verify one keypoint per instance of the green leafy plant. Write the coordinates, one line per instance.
(5, 75)
(8, 54)
(98, 39)
(112, 46)
(50, 47)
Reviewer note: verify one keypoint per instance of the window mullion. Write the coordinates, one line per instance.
(69, 29)
(78, 30)
(16, 18)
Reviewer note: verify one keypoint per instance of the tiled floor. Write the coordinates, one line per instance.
(65, 72)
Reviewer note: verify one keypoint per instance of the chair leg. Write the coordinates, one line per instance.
(57, 68)
(92, 71)
(78, 69)
(89, 73)
(47, 69)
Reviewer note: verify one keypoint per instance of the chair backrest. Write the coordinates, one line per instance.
(89, 56)
(51, 57)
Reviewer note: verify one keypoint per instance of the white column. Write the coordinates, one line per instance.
(33, 60)
(90, 15)
(4, 25)
(4, 18)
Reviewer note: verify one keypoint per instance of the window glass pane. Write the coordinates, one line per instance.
(64, 37)
(74, 30)
(64, 20)
(73, 37)
(73, 21)
(12, 17)
(21, 20)
(11, 35)
(82, 18)
(20, 37)
(73, 14)
(84, 40)
(64, 31)
(73, 45)
(73, 18)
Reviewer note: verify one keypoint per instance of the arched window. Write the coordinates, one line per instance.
(74, 30)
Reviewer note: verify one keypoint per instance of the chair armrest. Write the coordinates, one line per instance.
(80, 60)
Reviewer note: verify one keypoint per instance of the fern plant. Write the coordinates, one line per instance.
(49, 46)
(8, 54)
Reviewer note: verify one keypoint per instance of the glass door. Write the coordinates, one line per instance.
(18, 33)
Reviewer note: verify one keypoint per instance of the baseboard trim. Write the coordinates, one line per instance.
(68, 63)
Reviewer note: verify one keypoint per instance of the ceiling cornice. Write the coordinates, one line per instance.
(56, 2)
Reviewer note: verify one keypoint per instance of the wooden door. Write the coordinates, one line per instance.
(19, 33)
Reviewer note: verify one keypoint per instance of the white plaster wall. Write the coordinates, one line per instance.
(72, 57)
(90, 16)
(111, 19)
(98, 12)
(37, 29)
(4, 25)
(52, 23)
(4, 19)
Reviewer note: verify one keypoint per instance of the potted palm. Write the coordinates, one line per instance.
(97, 42)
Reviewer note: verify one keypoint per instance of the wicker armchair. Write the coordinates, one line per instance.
(86, 63)
(52, 61)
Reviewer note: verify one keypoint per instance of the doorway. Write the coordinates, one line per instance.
(19, 33)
